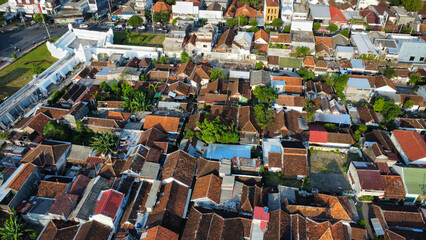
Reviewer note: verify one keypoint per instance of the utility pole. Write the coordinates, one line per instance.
(47, 30)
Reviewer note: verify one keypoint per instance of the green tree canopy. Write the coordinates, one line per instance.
(332, 27)
(148, 15)
(165, 17)
(378, 105)
(230, 22)
(135, 21)
(57, 130)
(408, 104)
(265, 94)
(216, 132)
(388, 109)
(330, 127)
(345, 33)
(39, 17)
(253, 22)
(277, 22)
(306, 74)
(317, 26)
(415, 78)
(390, 73)
(263, 115)
(14, 229)
(259, 65)
(5, 135)
(104, 143)
(243, 20)
(184, 57)
(104, 86)
(287, 28)
(217, 73)
(135, 101)
(156, 17)
(302, 51)
(310, 109)
(412, 5)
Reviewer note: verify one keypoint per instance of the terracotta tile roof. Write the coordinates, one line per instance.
(110, 104)
(109, 203)
(309, 61)
(59, 229)
(162, 6)
(399, 216)
(345, 63)
(279, 226)
(49, 189)
(340, 138)
(275, 159)
(247, 11)
(320, 64)
(163, 123)
(134, 62)
(186, 69)
(20, 178)
(201, 72)
(382, 81)
(211, 87)
(103, 123)
(121, 116)
(93, 230)
(38, 122)
(336, 15)
(226, 113)
(380, 137)
(412, 123)
(173, 198)
(292, 118)
(153, 137)
(390, 235)
(46, 154)
(328, 41)
(370, 16)
(158, 75)
(261, 34)
(370, 180)
(239, 88)
(56, 113)
(262, 48)
(247, 122)
(79, 185)
(144, 62)
(206, 167)
(394, 187)
(277, 126)
(295, 165)
(367, 115)
(417, 99)
(282, 38)
(291, 101)
(193, 120)
(182, 89)
(412, 143)
(63, 204)
(159, 233)
(273, 60)
(321, 46)
(208, 187)
(180, 166)
(272, 3)
(226, 39)
(371, 66)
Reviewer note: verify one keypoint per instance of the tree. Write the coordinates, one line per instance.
(37, 69)
(104, 87)
(135, 101)
(330, 127)
(156, 17)
(340, 84)
(415, 78)
(396, 2)
(13, 229)
(412, 5)
(327, 79)
(171, 2)
(390, 73)
(253, 22)
(368, 27)
(148, 15)
(357, 134)
(306, 74)
(332, 27)
(57, 130)
(215, 131)
(104, 143)
(5, 135)
(144, 77)
(317, 26)
(408, 104)
(277, 23)
(407, 30)
(310, 109)
(345, 33)
(265, 94)
(165, 17)
(259, 65)
(287, 28)
(230, 22)
(135, 21)
(263, 116)
(184, 57)
(242, 20)
(39, 17)
(378, 105)
(13, 55)
(217, 73)
(303, 51)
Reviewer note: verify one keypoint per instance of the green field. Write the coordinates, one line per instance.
(19, 73)
(139, 39)
(290, 62)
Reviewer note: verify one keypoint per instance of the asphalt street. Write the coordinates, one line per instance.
(23, 39)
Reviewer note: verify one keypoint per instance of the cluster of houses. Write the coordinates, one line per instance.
(164, 182)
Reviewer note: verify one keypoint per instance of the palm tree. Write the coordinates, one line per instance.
(104, 143)
(13, 229)
(138, 102)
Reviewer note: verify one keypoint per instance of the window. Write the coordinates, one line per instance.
(412, 58)
(204, 46)
(422, 59)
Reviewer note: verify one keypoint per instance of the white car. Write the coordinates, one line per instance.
(129, 27)
(141, 27)
(84, 25)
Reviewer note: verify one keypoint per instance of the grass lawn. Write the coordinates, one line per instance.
(139, 39)
(19, 73)
(290, 62)
(273, 180)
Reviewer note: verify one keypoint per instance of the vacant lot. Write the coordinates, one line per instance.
(328, 170)
(139, 39)
(19, 73)
(273, 180)
(290, 62)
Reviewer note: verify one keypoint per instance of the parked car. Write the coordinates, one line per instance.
(84, 25)
(129, 27)
(141, 27)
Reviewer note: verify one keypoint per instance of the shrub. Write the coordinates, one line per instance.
(13, 55)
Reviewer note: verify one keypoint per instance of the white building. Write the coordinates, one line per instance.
(185, 10)
(213, 13)
(286, 11)
(411, 146)
(361, 4)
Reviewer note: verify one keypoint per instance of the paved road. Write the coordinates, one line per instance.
(23, 38)
(365, 214)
